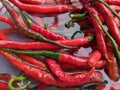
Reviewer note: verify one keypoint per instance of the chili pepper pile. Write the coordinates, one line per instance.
(49, 57)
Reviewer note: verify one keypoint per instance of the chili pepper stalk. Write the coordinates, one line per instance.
(117, 53)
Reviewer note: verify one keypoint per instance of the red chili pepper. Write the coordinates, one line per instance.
(109, 20)
(3, 86)
(43, 45)
(45, 9)
(115, 7)
(26, 31)
(46, 33)
(36, 2)
(98, 30)
(83, 22)
(7, 20)
(113, 2)
(66, 77)
(8, 31)
(94, 58)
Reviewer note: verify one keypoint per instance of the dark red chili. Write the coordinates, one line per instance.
(45, 9)
(113, 2)
(115, 7)
(98, 30)
(7, 20)
(109, 20)
(46, 33)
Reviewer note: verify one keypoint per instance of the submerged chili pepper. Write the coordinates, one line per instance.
(7, 20)
(28, 32)
(44, 9)
(109, 20)
(46, 33)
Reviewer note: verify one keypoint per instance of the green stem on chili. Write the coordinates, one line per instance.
(20, 78)
(117, 53)
(78, 15)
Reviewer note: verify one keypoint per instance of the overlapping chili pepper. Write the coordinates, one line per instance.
(99, 21)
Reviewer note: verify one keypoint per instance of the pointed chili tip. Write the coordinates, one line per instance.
(91, 38)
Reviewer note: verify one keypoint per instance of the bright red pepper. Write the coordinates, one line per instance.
(44, 9)
(46, 33)
(7, 20)
(3, 86)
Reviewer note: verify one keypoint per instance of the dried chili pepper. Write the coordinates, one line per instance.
(46, 33)
(28, 32)
(44, 9)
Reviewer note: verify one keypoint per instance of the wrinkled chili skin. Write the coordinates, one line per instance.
(44, 9)
(109, 20)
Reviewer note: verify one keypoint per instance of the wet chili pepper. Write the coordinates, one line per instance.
(35, 2)
(113, 2)
(43, 45)
(61, 57)
(28, 32)
(46, 33)
(109, 20)
(45, 9)
(7, 20)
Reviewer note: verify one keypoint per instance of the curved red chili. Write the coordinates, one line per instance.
(7, 20)
(45, 9)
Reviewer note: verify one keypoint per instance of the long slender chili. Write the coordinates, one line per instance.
(117, 53)
(44, 9)
(61, 57)
(7, 20)
(40, 75)
(113, 2)
(46, 33)
(109, 20)
(43, 45)
(28, 32)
